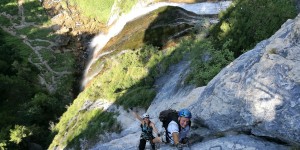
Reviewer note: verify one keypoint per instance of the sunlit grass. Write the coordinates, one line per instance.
(126, 5)
(99, 9)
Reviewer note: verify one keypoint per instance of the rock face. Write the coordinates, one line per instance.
(238, 142)
(259, 91)
(253, 100)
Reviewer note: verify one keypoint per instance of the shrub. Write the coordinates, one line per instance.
(19, 133)
(207, 62)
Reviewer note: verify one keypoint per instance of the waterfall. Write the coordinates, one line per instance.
(99, 41)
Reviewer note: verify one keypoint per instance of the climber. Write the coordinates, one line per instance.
(177, 126)
(147, 127)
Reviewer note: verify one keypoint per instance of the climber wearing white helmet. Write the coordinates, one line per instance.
(147, 128)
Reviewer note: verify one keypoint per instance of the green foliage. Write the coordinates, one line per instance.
(34, 12)
(83, 124)
(2, 145)
(4, 21)
(207, 62)
(18, 82)
(126, 5)
(19, 93)
(15, 71)
(60, 61)
(9, 6)
(37, 33)
(247, 22)
(4, 132)
(39, 108)
(140, 96)
(241, 26)
(19, 133)
(23, 100)
(131, 71)
(93, 123)
(102, 7)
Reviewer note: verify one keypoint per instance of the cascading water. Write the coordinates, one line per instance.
(100, 40)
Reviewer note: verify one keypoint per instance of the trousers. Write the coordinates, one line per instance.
(142, 144)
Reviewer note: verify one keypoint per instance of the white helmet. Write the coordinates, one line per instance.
(145, 115)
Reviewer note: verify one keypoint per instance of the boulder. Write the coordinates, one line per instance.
(259, 91)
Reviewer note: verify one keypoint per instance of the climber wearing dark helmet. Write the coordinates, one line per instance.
(177, 126)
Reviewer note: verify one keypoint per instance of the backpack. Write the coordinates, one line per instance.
(166, 117)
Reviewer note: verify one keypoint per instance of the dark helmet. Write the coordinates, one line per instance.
(185, 113)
